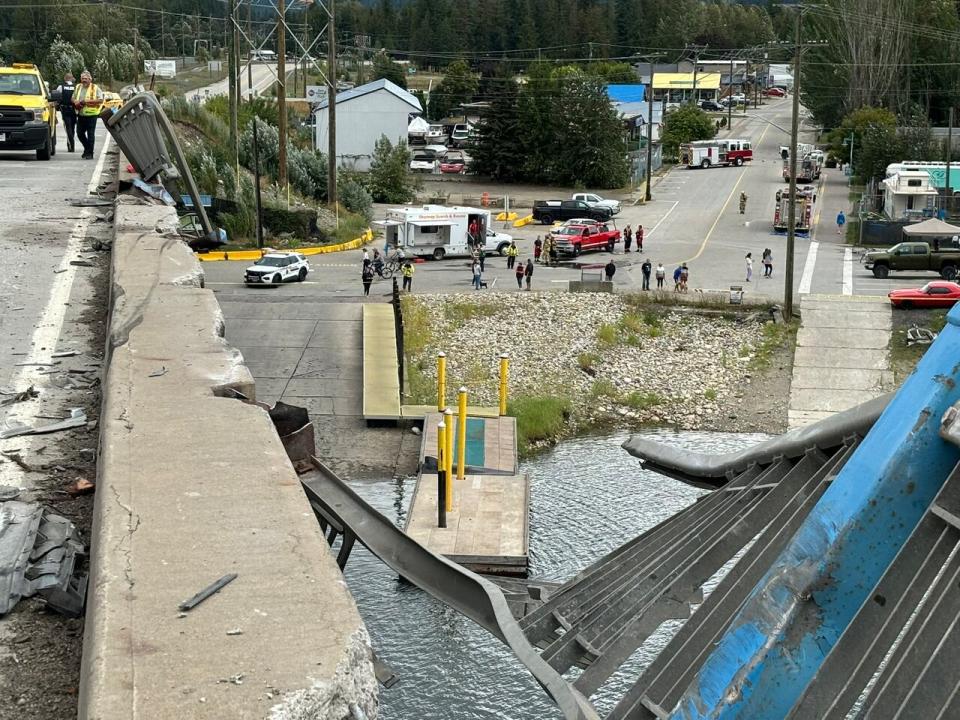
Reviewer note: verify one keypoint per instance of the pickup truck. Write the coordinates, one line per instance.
(575, 239)
(546, 211)
(594, 200)
(913, 256)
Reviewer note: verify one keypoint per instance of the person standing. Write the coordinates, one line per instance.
(473, 230)
(646, 269)
(481, 258)
(512, 252)
(537, 248)
(684, 277)
(408, 276)
(67, 111)
(627, 238)
(528, 273)
(519, 272)
(661, 275)
(639, 238)
(367, 277)
(477, 274)
(676, 279)
(749, 262)
(610, 269)
(841, 221)
(87, 99)
(767, 262)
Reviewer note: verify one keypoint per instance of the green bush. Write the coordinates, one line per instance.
(355, 197)
(539, 418)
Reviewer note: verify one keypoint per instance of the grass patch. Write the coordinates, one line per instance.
(639, 400)
(421, 388)
(587, 360)
(710, 394)
(539, 418)
(603, 388)
(417, 326)
(775, 337)
(459, 312)
(903, 357)
(632, 322)
(607, 334)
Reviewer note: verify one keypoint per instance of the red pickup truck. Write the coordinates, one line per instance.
(575, 239)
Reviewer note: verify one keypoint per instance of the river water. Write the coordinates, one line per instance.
(588, 496)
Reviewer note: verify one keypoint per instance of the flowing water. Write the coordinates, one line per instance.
(588, 497)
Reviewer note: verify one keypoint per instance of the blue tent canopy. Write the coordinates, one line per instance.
(626, 93)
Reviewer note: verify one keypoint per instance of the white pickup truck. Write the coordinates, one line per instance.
(594, 200)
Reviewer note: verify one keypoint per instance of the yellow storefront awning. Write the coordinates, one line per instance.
(684, 81)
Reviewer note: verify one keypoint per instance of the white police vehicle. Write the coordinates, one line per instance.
(276, 268)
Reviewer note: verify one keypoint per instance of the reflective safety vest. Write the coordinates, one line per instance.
(512, 251)
(408, 270)
(90, 93)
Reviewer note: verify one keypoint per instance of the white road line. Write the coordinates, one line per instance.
(806, 280)
(50, 323)
(651, 232)
(848, 271)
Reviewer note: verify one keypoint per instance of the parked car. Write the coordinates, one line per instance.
(936, 294)
(497, 242)
(546, 211)
(710, 106)
(576, 239)
(913, 256)
(774, 92)
(594, 200)
(453, 162)
(277, 268)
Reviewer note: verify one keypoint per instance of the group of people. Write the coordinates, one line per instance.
(80, 106)
(375, 266)
(628, 237)
(766, 259)
(545, 251)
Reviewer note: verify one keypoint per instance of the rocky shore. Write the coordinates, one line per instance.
(605, 360)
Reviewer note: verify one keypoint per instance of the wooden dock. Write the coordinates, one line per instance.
(487, 530)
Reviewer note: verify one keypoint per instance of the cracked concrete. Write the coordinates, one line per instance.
(192, 486)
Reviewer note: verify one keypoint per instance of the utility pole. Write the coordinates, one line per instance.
(282, 93)
(792, 213)
(235, 34)
(332, 104)
(256, 184)
(233, 88)
(730, 98)
(696, 63)
(306, 61)
(647, 196)
(249, 55)
(948, 190)
(136, 51)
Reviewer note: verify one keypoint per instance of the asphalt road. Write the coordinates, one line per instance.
(264, 75)
(40, 232)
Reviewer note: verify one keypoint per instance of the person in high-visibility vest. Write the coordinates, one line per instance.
(88, 100)
(408, 276)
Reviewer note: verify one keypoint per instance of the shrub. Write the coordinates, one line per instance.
(390, 180)
(539, 418)
(355, 197)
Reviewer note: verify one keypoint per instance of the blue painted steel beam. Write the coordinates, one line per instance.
(796, 613)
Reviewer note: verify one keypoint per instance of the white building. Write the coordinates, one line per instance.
(363, 115)
(909, 194)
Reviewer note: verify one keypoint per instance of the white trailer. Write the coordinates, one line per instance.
(438, 231)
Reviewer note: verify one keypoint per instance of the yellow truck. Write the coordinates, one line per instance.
(28, 118)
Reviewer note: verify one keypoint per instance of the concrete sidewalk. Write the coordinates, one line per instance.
(842, 357)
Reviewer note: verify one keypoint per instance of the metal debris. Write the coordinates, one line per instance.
(235, 631)
(77, 418)
(158, 373)
(211, 589)
(65, 353)
(82, 263)
(920, 336)
(233, 679)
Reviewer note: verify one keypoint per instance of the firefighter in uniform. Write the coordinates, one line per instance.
(88, 100)
(67, 111)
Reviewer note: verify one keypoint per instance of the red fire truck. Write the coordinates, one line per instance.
(704, 153)
(803, 213)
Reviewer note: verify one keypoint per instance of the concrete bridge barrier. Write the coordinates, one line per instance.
(193, 486)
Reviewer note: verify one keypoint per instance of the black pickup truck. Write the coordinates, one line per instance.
(547, 211)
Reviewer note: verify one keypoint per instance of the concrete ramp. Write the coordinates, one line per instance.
(842, 358)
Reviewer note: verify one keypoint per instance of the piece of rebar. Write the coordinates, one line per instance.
(207, 592)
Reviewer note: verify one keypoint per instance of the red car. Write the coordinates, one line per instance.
(774, 92)
(936, 294)
(453, 162)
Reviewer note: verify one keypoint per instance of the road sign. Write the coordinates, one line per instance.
(214, 65)
(316, 93)
(160, 68)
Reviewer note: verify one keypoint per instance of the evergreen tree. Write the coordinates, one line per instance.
(498, 149)
(384, 67)
(390, 180)
(459, 85)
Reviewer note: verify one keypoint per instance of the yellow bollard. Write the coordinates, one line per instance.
(504, 371)
(448, 456)
(441, 381)
(461, 433)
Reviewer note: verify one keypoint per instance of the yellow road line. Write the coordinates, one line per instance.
(706, 239)
(821, 192)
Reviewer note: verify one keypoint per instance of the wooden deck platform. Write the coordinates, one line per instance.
(381, 377)
(487, 530)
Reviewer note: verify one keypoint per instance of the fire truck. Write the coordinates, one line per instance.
(804, 210)
(808, 169)
(704, 153)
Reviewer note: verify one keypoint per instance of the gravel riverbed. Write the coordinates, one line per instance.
(619, 362)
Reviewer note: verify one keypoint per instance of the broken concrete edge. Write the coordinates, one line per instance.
(193, 485)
